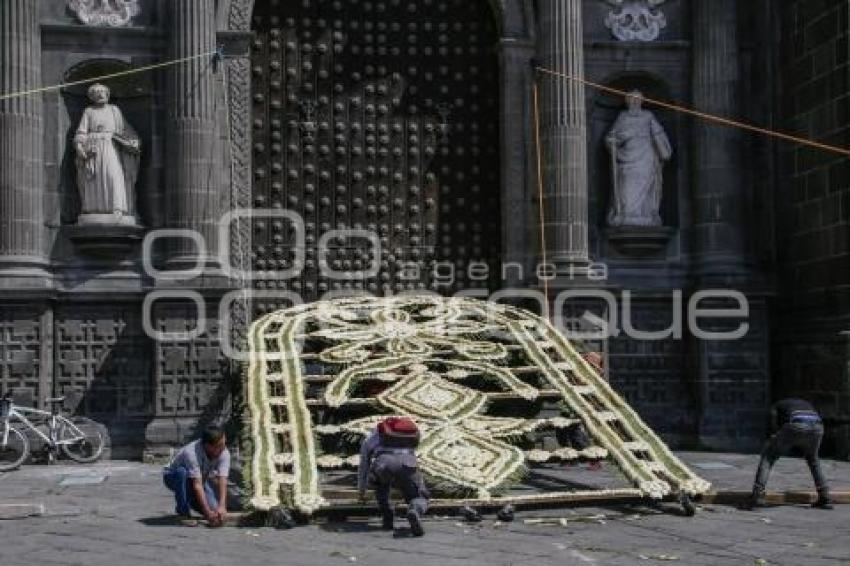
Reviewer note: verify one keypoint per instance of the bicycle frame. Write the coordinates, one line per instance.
(53, 426)
(5, 440)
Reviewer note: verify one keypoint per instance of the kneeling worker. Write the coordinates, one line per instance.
(198, 477)
(387, 459)
(799, 428)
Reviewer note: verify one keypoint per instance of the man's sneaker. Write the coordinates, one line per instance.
(415, 523)
(387, 521)
(755, 501)
(822, 503)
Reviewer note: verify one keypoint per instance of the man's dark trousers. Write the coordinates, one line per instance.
(399, 469)
(804, 437)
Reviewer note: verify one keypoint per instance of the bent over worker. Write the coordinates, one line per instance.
(198, 477)
(798, 428)
(387, 459)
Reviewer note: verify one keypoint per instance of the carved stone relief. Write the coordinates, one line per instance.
(112, 13)
(636, 20)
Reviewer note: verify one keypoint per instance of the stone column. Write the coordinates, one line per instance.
(22, 232)
(718, 172)
(563, 134)
(190, 376)
(194, 170)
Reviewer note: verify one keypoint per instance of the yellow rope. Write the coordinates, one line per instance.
(540, 190)
(137, 70)
(708, 117)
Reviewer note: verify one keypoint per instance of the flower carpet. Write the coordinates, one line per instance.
(480, 379)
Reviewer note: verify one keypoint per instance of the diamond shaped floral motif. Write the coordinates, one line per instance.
(479, 463)
(429, 395)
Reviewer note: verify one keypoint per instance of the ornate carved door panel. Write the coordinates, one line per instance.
(102, 362)
(377, 116)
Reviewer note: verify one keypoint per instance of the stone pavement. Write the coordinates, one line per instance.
(117, 513)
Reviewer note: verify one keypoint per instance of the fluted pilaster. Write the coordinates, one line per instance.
(194, 178)
(21, 138)
(733, 382)
(563, 132)
(718, 187)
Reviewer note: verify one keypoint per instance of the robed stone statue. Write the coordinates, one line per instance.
(638, 146)
(108, 152)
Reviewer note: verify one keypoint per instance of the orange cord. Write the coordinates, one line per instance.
(540, 190)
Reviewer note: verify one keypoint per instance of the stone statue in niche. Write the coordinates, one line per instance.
(639, 147)
(108, 152)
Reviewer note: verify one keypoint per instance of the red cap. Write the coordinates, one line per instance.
(398, 425)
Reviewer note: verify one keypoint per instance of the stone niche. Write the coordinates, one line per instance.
(105, 235)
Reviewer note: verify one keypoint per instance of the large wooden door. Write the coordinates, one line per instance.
(380, 116)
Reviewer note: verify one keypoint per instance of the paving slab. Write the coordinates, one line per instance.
(20, 510)
(86, 478)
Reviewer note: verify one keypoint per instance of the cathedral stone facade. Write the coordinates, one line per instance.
(288, 140)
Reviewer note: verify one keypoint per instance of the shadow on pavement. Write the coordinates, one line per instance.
(163, 521)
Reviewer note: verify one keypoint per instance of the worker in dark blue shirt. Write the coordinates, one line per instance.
(798, 427)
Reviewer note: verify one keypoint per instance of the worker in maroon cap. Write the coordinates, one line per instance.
(387, 459)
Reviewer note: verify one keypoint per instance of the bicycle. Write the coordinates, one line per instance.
(63, 434)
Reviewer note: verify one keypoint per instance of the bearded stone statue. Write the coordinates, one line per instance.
(108, 151)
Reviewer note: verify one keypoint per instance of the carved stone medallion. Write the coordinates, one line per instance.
(112, 13)
(636, 20)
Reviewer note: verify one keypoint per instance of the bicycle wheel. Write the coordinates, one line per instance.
(14, 451)
(83, 450)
